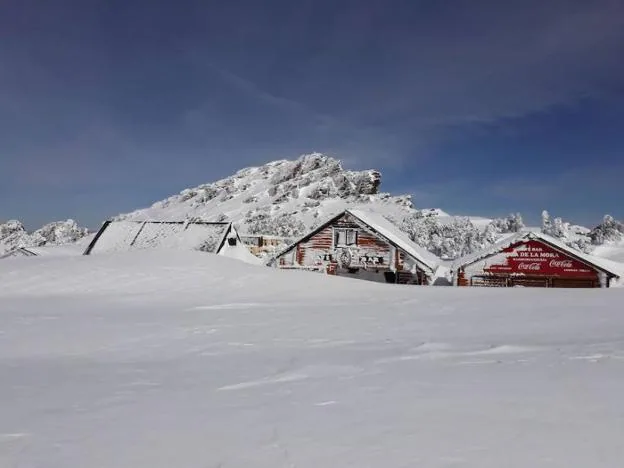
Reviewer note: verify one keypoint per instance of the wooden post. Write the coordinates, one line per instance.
(461, 278)
(299, 255)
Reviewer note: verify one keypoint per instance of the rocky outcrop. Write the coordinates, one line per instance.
(14, 235)
(283, 198)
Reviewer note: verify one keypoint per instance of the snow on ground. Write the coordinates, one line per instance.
(614, 252)
(611, 251)
(187, 359)
(240, 252)
(63, 250)
(59, 250)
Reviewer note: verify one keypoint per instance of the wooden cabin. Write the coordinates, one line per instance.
(533, 259)
(360, 244)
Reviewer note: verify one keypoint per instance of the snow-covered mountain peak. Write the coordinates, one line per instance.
(284, 198)
(287, 198)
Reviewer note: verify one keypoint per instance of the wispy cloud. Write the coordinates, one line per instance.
(254, 91)
(473, 63)
(354, 142)
(408, 76)
(203, 92)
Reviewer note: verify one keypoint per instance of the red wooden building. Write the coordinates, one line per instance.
(360, 244)
(533, 259)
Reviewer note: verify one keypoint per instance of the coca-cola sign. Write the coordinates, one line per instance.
(561, 264)
(533, 257)
(534, 266)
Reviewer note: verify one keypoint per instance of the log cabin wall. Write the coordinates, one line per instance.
(314, 249)
(372, 258)
(408, 271)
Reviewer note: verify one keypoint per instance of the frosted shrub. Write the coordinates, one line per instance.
(610, 230)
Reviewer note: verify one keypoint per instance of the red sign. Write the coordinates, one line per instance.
(535, 258)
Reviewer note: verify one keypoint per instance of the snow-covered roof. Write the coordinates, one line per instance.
(600, 263)
(120, 236)
(397, 237)
(239, 251)
(18, 252)
(63, 250)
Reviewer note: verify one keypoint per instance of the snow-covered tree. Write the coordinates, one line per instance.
(284, 225)
(610, 230)
(447, 240)
(512, 223)
(559, 229)
(491, 234)
(581, 243)
(515, 222)
(555, 227)
(570, 235)
(546, 224)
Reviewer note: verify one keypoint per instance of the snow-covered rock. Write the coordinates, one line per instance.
(282, 198)
(13, 234)
(60, 232)
(288, 198)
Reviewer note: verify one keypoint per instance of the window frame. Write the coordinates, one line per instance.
(346, 234)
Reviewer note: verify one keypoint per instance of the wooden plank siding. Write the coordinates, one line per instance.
(299, 255)
(322, 242)
(316, 249)
(400, 260)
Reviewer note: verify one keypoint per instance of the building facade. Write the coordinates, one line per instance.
(261, 245)
(533, 259)
(360, 244)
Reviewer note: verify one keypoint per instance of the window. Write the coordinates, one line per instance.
(345, 237)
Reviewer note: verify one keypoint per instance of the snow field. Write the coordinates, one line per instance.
(154, 359)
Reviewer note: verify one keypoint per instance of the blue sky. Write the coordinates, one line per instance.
(477, 107)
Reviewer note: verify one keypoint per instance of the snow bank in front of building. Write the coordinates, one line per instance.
(158, 359)
(613, 252)
(239, 251)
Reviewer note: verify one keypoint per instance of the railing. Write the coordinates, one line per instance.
(496, 282)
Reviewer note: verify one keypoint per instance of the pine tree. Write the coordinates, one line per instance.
(559, 229)
(516, 224)
(546, 224)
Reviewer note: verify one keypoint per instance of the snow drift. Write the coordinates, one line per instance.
(159, 359)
